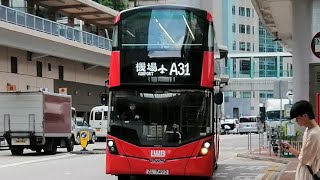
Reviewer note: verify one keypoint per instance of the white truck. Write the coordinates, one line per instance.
(36, 121)
(273, 107)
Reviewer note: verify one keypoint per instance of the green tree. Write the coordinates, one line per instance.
(118, 5)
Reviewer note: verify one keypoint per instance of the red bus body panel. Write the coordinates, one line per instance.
(114, 75)
(180, 161)
(207, 75)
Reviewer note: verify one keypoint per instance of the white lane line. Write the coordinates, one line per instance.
(289, 171)
(36, 160)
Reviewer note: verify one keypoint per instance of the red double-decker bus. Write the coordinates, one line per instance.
(161, 93)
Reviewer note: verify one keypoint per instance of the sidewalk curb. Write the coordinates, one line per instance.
(257, 157)
(281, 173)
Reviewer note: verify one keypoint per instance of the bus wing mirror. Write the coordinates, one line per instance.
(218, 98)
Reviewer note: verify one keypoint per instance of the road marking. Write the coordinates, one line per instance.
(220, 175)
(250, 168)
(36, 160)
(290, 171)
(249, 176)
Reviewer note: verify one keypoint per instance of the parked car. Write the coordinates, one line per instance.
(230, 126)
(82, 125)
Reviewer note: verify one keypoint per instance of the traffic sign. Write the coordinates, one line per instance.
(84, 138)
(289, 95)
(315, 45)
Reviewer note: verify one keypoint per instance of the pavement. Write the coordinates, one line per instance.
(287, 173)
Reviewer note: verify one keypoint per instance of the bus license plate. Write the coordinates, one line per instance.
(157, 172)
(98, 129)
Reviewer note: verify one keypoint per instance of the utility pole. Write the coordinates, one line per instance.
(280, 130)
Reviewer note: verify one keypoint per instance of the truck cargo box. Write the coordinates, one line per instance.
(42, 113)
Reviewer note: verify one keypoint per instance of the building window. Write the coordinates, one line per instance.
(39, 69)
(60, 72)
(49, 66)
(248, 12)
(242, 46)
(245, 94)
(242, 28)
(248, 29)
(252, 12)
(233, 10)
(245, 66)
(268, 67)
(266, 94)
(19, 5)
(253, 30)
(242, 11)
(234, 94)
(248, 46)
(14, 64)
(253, 47)
(234, 45)
(233, 27)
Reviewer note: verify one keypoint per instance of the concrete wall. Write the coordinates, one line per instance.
(244, 106)
(27, 71)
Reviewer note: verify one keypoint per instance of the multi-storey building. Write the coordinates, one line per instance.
(255, 73)
(43, 46)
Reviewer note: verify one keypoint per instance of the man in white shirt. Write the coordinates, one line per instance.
(302, 112)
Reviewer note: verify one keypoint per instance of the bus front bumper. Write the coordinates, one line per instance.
(191, 166)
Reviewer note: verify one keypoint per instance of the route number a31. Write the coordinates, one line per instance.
(179, 69)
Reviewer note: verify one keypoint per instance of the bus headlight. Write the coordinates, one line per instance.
(205, 149)
(112, 146)
(110, 143)
(206, 145)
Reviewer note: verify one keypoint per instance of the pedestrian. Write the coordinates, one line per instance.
(309, 156)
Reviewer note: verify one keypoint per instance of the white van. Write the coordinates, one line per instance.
(250, 124)
(99, 120)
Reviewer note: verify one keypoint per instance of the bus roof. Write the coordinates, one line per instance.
(162, 6)
(200, 12)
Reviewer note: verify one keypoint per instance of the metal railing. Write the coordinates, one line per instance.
(53, 28)
(260, 74)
